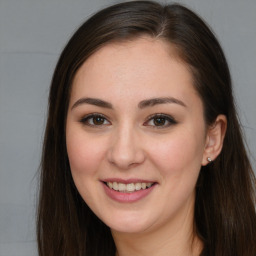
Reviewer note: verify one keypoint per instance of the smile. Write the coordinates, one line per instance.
(128, 191)
(130, 187)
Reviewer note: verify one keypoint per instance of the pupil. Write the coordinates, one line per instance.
(159, 121)
(98, 120)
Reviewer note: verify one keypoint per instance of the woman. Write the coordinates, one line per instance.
(143, 152)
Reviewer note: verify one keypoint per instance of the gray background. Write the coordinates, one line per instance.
(32, 35)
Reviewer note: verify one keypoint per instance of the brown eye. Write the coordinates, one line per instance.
(95, 120)
(159, 121)
(98, 120)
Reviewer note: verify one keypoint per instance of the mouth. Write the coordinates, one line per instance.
(129, 187)
(128, 191)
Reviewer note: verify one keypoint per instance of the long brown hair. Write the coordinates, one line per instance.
(225, 218)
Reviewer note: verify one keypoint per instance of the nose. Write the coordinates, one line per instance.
(126, 149)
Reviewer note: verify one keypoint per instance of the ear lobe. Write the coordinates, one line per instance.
(214, 139)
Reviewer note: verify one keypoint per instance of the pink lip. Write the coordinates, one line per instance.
(128, 180)
(130, 197)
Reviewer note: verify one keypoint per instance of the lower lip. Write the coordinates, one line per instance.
(127, 197)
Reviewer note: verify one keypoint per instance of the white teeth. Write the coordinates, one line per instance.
(115, 186)
(121, 187)
(148, 185)
(138, 186)
(110, 184)
(131, 187)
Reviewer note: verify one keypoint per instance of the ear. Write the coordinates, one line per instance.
(214, 139)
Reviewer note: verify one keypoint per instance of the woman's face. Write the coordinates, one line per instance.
(136, 136)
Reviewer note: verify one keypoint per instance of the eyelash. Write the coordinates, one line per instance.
(166, 118)
(153, 118)
(85, 120)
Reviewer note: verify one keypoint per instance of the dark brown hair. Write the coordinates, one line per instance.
(225, 218)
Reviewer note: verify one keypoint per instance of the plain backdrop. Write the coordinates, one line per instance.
(32, 35)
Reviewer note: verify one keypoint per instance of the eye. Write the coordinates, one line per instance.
(160, 121)
(95, 120)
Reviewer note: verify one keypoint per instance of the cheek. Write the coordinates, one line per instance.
(178, 155)
(84, 156)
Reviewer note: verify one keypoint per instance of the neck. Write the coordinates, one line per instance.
(175, 238)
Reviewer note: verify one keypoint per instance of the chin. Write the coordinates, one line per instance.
(131, 224)
(128, 229)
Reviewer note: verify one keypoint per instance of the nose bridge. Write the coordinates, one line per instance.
(126, 149)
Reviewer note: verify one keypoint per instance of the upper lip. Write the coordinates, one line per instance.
(128, 181)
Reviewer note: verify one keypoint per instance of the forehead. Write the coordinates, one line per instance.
(146, 67)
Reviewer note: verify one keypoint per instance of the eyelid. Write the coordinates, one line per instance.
(84, 120)
(169, 118)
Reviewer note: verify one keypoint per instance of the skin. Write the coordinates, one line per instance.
(126, 143)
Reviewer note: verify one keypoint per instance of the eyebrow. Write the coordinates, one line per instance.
(155, 101)
(93, 101)
(143, 104)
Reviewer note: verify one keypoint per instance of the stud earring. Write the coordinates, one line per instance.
(209, 159)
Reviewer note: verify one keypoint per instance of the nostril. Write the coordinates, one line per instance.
(125, 159)
(125, 150)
